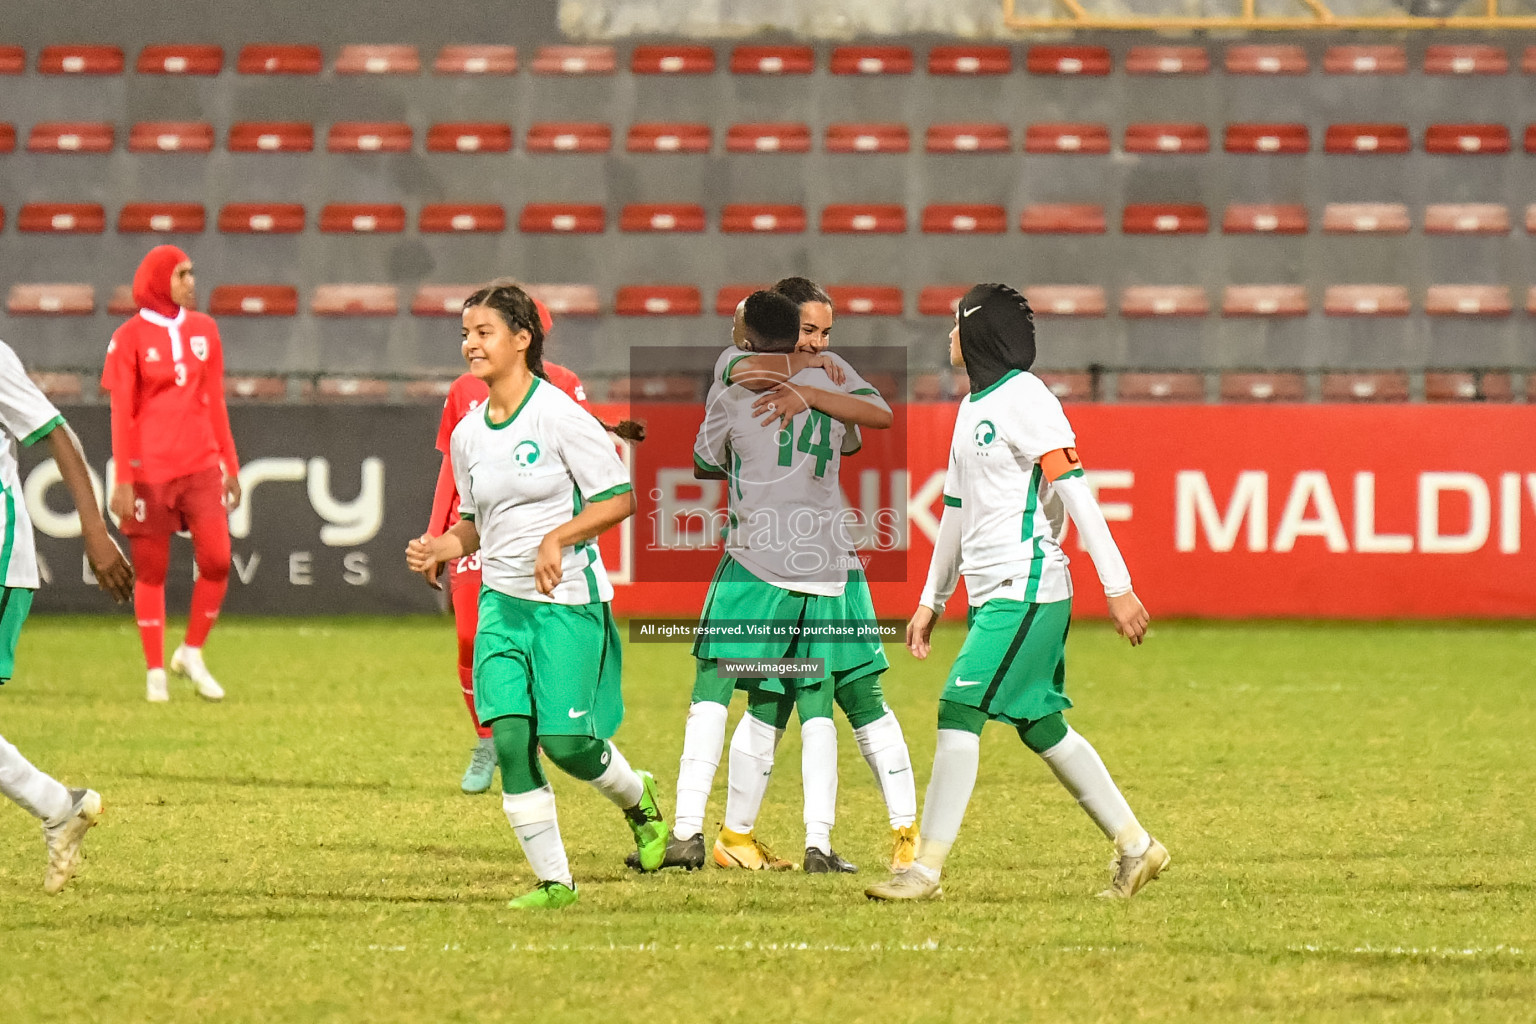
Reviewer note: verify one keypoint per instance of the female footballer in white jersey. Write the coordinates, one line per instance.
(538, 481)
(1013, 475)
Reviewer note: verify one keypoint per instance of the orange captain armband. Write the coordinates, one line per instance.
(1063, 462)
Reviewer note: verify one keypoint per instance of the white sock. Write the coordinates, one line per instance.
(752, 747)
(956, 759)
(1080, 769)
(885, 751)
(533, 821)
(39, 794)
(619, 782)
(703, 741)
(818, 769)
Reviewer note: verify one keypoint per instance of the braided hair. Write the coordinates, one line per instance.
(517, 311)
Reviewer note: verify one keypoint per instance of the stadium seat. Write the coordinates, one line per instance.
(1366, 138)
(1062, 219)
(1068, 60)
(1528, 61)
(672, 59)
(1156, 300)
(871, 60)
(278, 59)
(261, 218)
(658, 300)
(369, 59)
(1067, 299)
(170, 137)
(1466, 219)
(50, 299)
(362, 218)
(80, 59)
(1164, 219)
(1264, 218)
(70, 137)
(729, 296)
(7, 137)
(469, 137)
(970, 60)
(1467, 386)
(865, 299)
(574, 60)
(253, 300)
(1160, 387)
(13, 60)
(271, 137)
(1267, 138)
(1530, 219)
(940, 299)
(255, 389)
(867, 138)
(1366, 300)
(120, 302)
(567, 299)
(762, 218)
(440, 299)
(1166, 137)
(768, 137)
(1167, 60)
(654, 389)
(351, 389)
(1068, 387)
(167, 218)
(62, 218)
(429, 390)
(1366, 218)
(1067, 137)
(964, 219)
(1365, 60)
(1266, 59)
(1365, 387)
(1263, 387)
(1530, 136)
(669, 137)
(446, 218)
(59, 387)
(562, 218)
(1461, 59)
(354, 300)
(863, 218)
(476, 59)
(570, 137)
(1264, 300)
(932, 387)
(967, 138)
(369, 137)
(180, 60)
(1458, 139)
(1467, 300)
(772, 60)
(1530, 307)
(672, 217)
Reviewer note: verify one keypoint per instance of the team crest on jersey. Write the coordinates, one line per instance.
(151, 355)
(200, 347)
(986, 433)
(525, 454)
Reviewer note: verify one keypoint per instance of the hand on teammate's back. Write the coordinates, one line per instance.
(920, 631)
(113, 573)
(830, 365)
(1129, 616)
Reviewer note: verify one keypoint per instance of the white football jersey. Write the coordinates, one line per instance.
(1011, 521)
(26, 416)
(524, 477)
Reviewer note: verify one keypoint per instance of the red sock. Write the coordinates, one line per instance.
(210, 549)
(207, 598)
(151, 555)
(467, 688)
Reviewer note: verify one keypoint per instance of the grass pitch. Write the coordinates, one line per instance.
(1350, 811)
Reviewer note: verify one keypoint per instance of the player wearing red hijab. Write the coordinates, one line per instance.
(176, 467)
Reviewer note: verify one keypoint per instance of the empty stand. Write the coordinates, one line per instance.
(672, 59)
(261, 218)
(768, 137)
(967, 137)
(654, 389)
(1375, 59)
(469, 137)
(1263, 387)
(1467, 300)
(764, 218)
(1366, 300)
(1530, 137)
(476, 59)
(970, 60)
(1067, 300)
(163, 218)
(1157, 300)
(176, 59)
(1468, 139)
(362, 218)
(13, 60)
(1530, 219)
(1365, 387)
(59, 387)
(940, 299)
(71, 137)
(1467, 386)
(658, 300)
(1160, 387)
(669, 137)
(562, 218)
(278, 59)
(351, 389)
(730, 296)
(433, 391)
(121, 303)
(171, 137)
(1465, 59)
(964, 218)
(355, 300)
(1366, 218)
(772, 60)
(1068, 60)
(1265, 219)
(440, 299)
(243, 388)
(867, 138)
(668, 217)
(80, 59)
(62, 218)
(871, 60)
(369, 137)
(1264, 300)
(1466, 219)
(253, 300)
(449, 218)
(1067, 137)
(272, 137)
(1268, 138)
(7, 138)
(567, 299)
(1167, 60)
(1367, 138)
(1530, 303)
(1266, 59)
(1528, 62)
(865, 299)
(1164, 219)
(1068, 387)
(1167, 137)
(570, 137)
(50, 299)
(1063, 219)
(574, 60)
(863, 218)
(368, 59)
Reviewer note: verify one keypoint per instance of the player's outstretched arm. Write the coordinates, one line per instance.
(768, 369)
(113, 573)
(784, 401)
(1125, 608)
(586, 524)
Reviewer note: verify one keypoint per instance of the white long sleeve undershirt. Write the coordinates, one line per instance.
(944, 567)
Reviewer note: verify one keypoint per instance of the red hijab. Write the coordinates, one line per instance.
(152, 281)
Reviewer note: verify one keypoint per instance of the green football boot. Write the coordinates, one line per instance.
(546, 896)
(646, 823)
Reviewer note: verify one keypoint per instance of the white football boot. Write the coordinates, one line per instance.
(188, 662)
(64, 839)
(155, 689)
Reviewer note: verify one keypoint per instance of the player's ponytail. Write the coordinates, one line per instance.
(518, 311)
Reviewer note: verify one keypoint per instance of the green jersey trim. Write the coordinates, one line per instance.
(592, 591)
(41, 432)
(508, 421)
(1069, 474)
(950, 501)
(1036, 557)
(612, 492)
(984, 392)
(10, 535)
(468, 517)
(726, 377)
(865, 391)
(706, 467)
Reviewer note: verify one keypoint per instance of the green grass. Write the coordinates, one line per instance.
(1350, 811)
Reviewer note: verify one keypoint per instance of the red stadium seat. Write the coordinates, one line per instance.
(171, 137)
(1366, 138)
(670, 217)
(967, 138)
(59, 387)
(272, 137)
(1264, 300)
(121, 303)
(351, 389)
(169, 218)
(570, 137)
(865, 299)
(1528, 62)
(970, 60)
(1264, 218)
(772, 60)
(1366, 300)
(867, 138)
(1068, 60)
(863, 218)
(1365, 60)
(1466, 386)
(362, 218)
(62, 218)
(672, 59)
(469, 137)
(13, 60)
(429, 390)
(1268, 138)
(1365, 387)
(669, 137)
(181, 60)
(1167, 138)
(940, 299)
(354, 300)
(7, 138)
(872, 60)
(768, 137)
(574, 60)
(51, 299)
(1530, 137)
(562, 218)
(1266, 59)
(1150, 300)
(964, 219)
(1455, 139)
(1467, 300)
(255, 389)
(367, 59)
(369, 137)
(1067, 299)
(1164, 219)
(70, 137)
(762, 218)
(658, 300)
(1062, 219)
(476, 59)
(254, 300)
(261, 218)
(1263, 387)
(278, 59)
(1160, 387)
(1454, 59)
(1530, 307)
(444, 218)
(440, 299)
(1366, 218)
(1068, 387)
(1530, 219)
(730, 296)
(80, 59)
(1466, 219)
(1167, 60)
(567, 299)
(1063, 137)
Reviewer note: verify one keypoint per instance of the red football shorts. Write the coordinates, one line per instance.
(171, 506)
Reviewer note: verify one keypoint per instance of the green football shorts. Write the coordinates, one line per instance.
(1013, 664)
(15, 603)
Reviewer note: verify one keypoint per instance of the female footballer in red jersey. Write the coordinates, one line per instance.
(176, 467)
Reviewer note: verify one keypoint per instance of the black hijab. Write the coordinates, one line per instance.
(997, 334)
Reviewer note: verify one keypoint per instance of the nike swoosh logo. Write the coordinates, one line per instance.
(967, 682)
(577, 714)
(897, 771)
(968, 312)
(529, 839)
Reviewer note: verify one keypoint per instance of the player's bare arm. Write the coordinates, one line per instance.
(769, 369)
(428, 552)
(587, 524)
(785, 401)
(113, 573)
